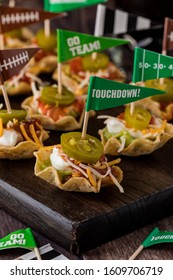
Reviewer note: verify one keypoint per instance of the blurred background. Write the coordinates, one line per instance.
(83, 20)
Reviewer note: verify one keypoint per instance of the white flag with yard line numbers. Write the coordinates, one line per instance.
(116, 21)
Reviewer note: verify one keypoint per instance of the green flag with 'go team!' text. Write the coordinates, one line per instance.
(73, 44)
(105, 94)
(149, 65)
(22, 238)
(69, 5)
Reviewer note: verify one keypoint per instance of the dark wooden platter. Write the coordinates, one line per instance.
(79, 221)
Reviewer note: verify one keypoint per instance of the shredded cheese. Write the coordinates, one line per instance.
(76, 174)
(34, 134)
(39, 126)
(34, 78)
(110, 163)
(85, 81)
(96, 173)
(123, 142)
(159, 129)
(36, 93)
(91, 178)
(48, 148)
(116, 183)
(76, 167)
(115, 161)
(152, 130)
(22, 128)
(1, 127)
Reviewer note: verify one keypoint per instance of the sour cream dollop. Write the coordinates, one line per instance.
(114, 125)
(10, 138)
(57, 161)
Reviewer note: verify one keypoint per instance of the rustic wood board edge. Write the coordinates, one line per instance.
(81, 236)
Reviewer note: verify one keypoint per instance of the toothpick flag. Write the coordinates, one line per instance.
(68, 5)
(12, 18)
(168, 35)
(155, 237)
(13, 60)
(72, 44)
(116, 21)
(21, 238)
(150, 65)
(104, 94)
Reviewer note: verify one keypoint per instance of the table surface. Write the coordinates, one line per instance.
(119, 249)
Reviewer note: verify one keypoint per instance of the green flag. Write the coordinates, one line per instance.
(104, 94)
(150, 65)
(68, 5)
(72, 44)
(21, 238)
(156, 237)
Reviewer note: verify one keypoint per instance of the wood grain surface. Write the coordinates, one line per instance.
(79, 221)
(117, 249)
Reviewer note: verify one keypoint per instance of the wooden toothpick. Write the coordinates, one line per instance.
(94, 56)
(37, 253)
(1, 41)
(7, 102)
(137, 252)
(59, 78)
(11, 3)
(47, 27)
(85, 125)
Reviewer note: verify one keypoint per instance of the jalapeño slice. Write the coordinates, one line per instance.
(15, 33)
(139, 119)
(93, 65)
(47, 43)
(88, 150)
(20, 115)
(49, 95)
(166, 86)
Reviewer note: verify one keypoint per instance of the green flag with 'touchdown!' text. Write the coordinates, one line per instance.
(105, 94)
(157, 237)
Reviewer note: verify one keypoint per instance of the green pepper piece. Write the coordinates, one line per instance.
(88, 150)
(49, 95)
(20, 115)
(63, 174)
(93, 65)
(139, 119)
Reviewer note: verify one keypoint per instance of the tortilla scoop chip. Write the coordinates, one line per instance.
(76, 184)
(140, 146)
(67, 123)
(24, 149)
(47, 64)
(20, 89)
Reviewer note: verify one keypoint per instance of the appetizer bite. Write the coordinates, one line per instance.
(55, 111)
(159, 105)
(21, 83)
(19, 135)
(78, 71)
(134, 134)
(44, 61)
(77, 165)
(18, 38)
